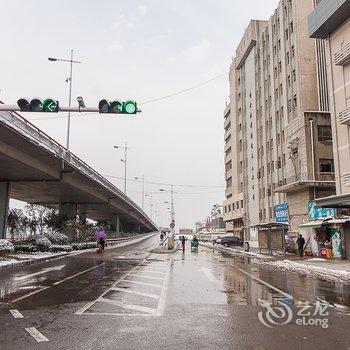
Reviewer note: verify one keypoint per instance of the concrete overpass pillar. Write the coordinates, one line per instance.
(69, 210)
(4, 206)
(115, 225)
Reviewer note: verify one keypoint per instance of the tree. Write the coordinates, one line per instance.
(16, 222)
(36, 217)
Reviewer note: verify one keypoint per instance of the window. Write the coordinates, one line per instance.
(293, 51)
(291, 27)
(294, 75)
(229, 207)
(229, 182)
(295, 101)
(326, 166)
(288, 80)
(237, 205)
(287, 56)
(279, 67)
(233, 206)
(287, 34)
(324, 133)
(242, 203)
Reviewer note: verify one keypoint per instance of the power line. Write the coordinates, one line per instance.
(184, 90)
(148, 101)
(164, 184)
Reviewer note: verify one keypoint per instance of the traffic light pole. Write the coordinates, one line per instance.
(15, 108)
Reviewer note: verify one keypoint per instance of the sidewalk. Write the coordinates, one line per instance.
(337, 271)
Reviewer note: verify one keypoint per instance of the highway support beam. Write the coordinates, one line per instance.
(115, 225)
(4, 206)
(69, 210)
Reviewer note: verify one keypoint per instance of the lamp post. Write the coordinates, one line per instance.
(71, 61)
(125, 148)
(172, 224)
(143, 188)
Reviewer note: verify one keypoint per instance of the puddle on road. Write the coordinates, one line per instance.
(241, 289)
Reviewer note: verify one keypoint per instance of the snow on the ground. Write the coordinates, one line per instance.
(7, 262)
(324, 273)
(34, 255)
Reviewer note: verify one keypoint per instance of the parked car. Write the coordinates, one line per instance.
(217, 240)
(231, 241)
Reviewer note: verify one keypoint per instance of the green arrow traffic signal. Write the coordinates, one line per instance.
(50, 105)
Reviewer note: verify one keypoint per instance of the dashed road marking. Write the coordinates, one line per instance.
(116, 295)
(16, 314)
(36, 334)
(145, 283)
(145, 309)
(146, 276)
(124, 290)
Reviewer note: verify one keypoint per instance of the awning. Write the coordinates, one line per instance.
(338, 221)
(312, 224)
(336, 201)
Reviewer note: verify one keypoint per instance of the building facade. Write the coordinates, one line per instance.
(329, 23)
(281, 148)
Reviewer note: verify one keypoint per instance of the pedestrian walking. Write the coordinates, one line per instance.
(183, 242)
(161, 238)
(301, 243)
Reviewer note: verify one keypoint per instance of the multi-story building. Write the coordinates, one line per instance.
(281, 148)
(233, 204)
(216, 218)
(329, 24)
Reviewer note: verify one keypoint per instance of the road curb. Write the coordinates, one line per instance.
(23, 263)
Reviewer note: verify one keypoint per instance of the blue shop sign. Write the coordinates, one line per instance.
(281, 213)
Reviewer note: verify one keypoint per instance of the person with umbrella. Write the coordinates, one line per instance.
(101, 240)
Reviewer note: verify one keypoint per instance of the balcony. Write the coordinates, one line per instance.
(344, 117)
(342, 57)
(299, 182)
(327, 17)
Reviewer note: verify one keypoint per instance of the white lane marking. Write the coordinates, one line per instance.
(91, 303)
(148, 277)
(153, 273)
(208, 273)
(118, 314)
(77, 274)
(36, 334)
(30, 294)
(48, 269)
(120, 257)
(16, 314)
(124, 290)
(54, 284)
(144, 309)
(263, 282)
(161, 304)
(144, 283)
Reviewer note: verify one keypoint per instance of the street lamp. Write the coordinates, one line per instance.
(125, 148)
(143, 188)
(172, 224)
(71, 61)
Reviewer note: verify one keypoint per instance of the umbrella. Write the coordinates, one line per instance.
(100, 234)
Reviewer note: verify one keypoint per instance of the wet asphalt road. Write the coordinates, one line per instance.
(130, 298)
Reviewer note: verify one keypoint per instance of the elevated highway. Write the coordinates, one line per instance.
(36, 169)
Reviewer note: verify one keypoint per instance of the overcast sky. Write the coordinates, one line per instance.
(141, 50)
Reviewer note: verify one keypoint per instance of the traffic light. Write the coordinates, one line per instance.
(118, 107)
(38, 105)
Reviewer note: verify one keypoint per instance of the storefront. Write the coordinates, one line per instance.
(340, 225)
